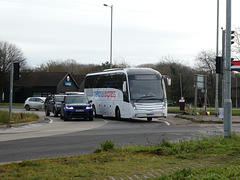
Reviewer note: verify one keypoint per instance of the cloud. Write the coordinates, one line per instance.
(142, 31)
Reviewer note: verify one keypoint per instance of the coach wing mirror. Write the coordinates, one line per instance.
(124, 86)
(169, 81)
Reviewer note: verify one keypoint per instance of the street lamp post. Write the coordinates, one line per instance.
(227, 121)
(110, 33)
(180, 78)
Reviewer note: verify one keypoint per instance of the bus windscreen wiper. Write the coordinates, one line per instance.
(150, 97)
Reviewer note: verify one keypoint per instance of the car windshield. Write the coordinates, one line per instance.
(146, 88)
(76, 100)
(59, 98)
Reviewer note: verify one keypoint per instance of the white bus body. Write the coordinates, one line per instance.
(127, 93)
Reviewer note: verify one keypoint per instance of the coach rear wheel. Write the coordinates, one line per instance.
(117, 114)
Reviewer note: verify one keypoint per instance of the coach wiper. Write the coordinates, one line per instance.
(149, 97)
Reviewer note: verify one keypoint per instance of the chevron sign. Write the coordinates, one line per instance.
(235, 65)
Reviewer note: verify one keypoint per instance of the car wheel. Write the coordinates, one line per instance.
(27, 107)
(55, 113)
(47, 113)
(91, 119)
(61, 116)
(64, 117)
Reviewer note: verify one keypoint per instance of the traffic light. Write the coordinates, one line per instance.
(16, 71)
(219, 65)
(232, 37)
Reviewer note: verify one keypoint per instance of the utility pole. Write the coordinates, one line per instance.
(228, 102)
(180, 84)
(216, 96)
(11, 92)
(110, 33)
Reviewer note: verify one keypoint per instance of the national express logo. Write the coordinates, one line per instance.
(105, 94)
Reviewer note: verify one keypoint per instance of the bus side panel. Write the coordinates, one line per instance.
(106, 100)
(127, 110)
(92, 96)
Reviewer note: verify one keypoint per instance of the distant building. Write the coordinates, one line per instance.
(42, 84)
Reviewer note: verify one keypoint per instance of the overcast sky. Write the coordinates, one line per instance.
(143, 31)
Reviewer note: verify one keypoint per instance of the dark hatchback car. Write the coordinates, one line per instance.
(76, 106)
(53, 104)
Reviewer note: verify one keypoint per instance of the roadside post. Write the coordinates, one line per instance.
(182, 104)
(200, 82)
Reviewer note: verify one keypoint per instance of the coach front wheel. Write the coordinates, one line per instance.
(149, 119)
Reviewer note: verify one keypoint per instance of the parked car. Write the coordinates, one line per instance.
(76, 106)
(53, 104)
(34, 103)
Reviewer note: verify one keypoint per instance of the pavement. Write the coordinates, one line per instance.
(207, 118)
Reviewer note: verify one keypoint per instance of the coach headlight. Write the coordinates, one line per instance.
(134, 106)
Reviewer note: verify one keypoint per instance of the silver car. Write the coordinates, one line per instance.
(34, 103)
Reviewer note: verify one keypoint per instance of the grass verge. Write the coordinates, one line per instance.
(17, 118)
(203, 158)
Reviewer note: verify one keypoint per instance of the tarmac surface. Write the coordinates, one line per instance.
(172, 119)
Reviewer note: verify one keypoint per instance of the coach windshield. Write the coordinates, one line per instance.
(146, 88)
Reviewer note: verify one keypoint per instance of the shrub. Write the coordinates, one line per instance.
(106, 146)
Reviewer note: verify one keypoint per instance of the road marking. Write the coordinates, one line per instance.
(167, 123)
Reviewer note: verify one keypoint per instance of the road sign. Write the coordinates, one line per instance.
(235, 65)
(199, 81)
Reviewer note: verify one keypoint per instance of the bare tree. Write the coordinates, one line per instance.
(206, 61)
(69, 65)
(206, 64)
(120, 63)
(236, 45)
(9, 53)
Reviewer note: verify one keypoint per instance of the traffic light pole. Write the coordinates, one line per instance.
(223, 66)
(228, 102)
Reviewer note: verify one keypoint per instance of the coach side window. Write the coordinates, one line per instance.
(90, 81)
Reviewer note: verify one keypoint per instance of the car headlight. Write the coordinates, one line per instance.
(69, 107)
(89, 107)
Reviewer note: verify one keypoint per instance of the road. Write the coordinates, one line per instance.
(55, 137)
